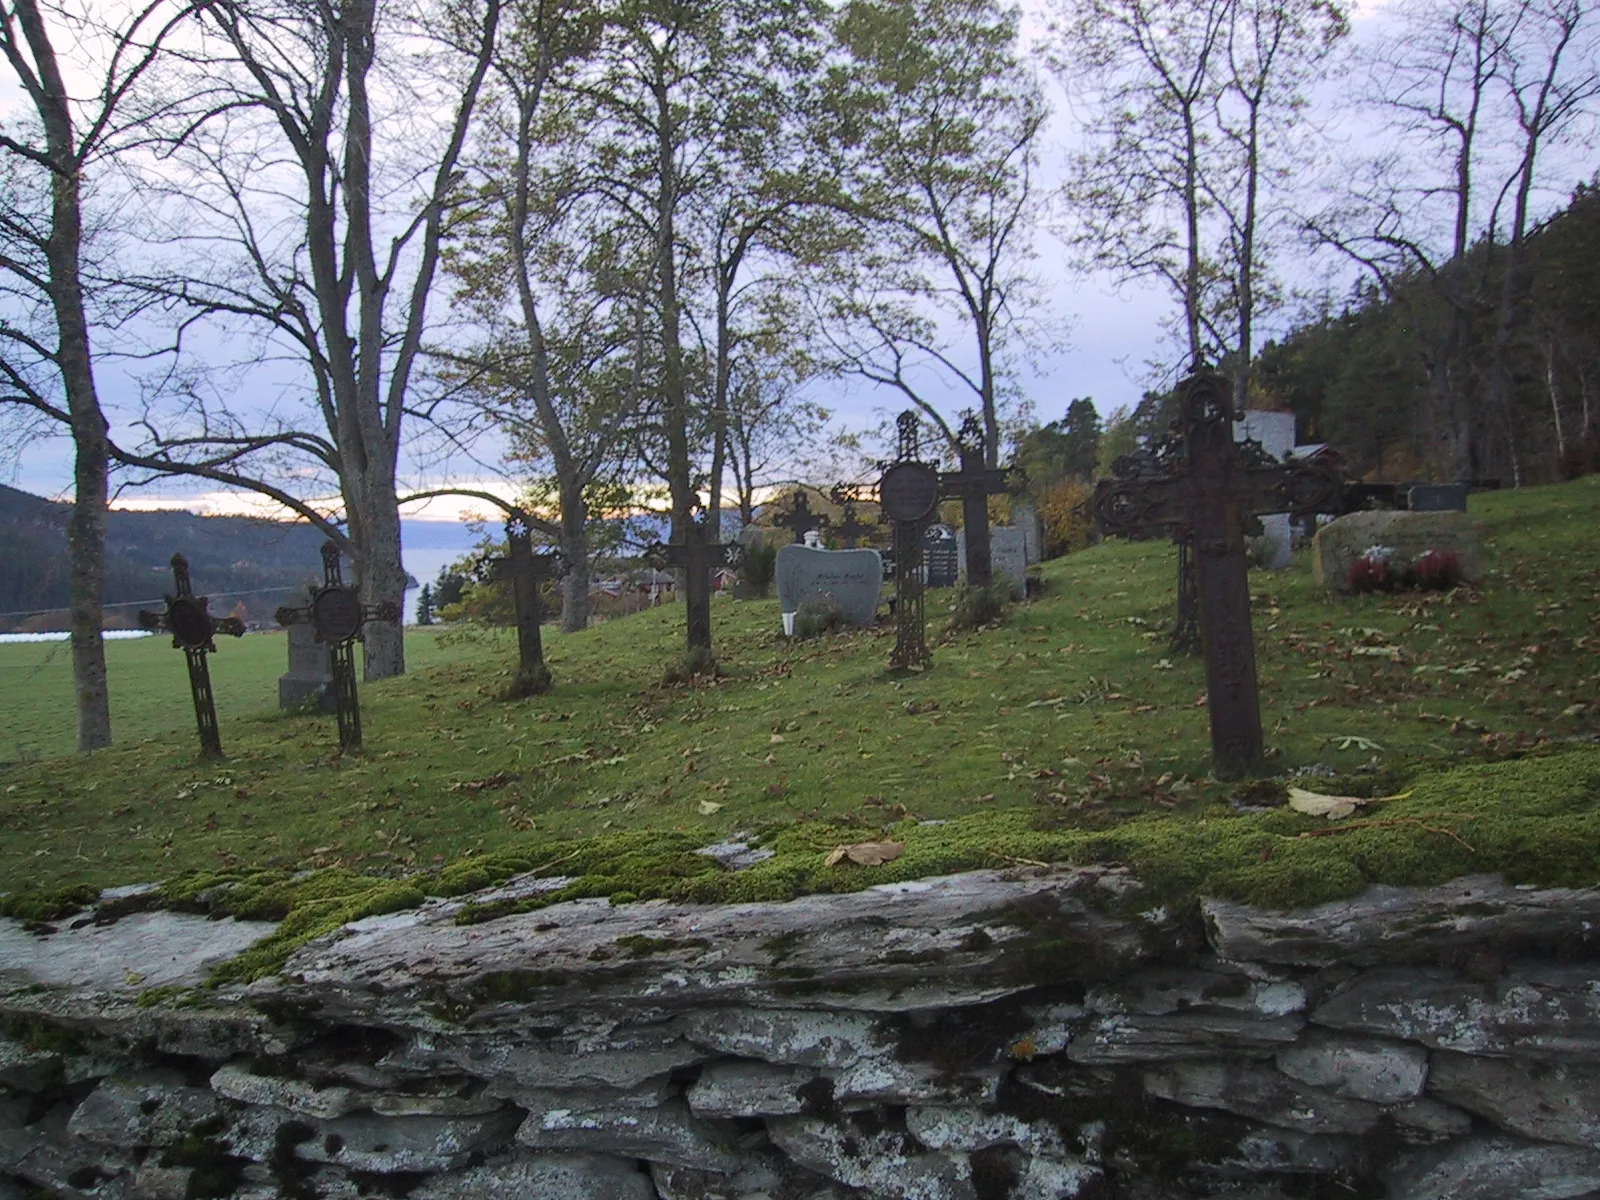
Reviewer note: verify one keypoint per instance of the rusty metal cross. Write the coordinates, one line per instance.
(849, 527)
(527, 572)
(973, 484)
(800, 518)
(337, 615)
(1206, 488)
(908, 492)
(696, 558)
(194, 631)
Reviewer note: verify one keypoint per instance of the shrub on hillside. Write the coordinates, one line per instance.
(979, 606)
(1065, 513)
(817, 616)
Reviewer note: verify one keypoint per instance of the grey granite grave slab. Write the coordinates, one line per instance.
(310, 671)
(851, 578)
(1008, 555)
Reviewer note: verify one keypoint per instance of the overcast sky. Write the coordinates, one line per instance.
(1113, 335)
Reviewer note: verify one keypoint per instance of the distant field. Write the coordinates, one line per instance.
(149, 688)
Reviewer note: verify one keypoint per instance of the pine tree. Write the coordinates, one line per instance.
(425, 605)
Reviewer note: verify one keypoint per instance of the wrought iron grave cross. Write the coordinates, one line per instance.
(800, 518)
(527, 572)
(849, 527)
(337, 615)
(696, 558)
(194, 631)
(973, 484)
(1207, 492)
(908, 492)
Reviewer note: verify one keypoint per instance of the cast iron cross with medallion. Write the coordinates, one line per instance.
(337, 615)
(800, 518)
(696, 558)
(973, 484)
(908, 493)
(849, 527)
(1207, 494)
(194, 631)
(527, 572)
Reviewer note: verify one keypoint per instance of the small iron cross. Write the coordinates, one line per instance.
(696, 558)
(528, 571)
(849, 528)
(973, 484)
(194, 631)
(337, 615)
(1207, 488)
(800, 518)
(908, 493)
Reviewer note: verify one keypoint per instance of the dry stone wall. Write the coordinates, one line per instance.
(1035, 1034)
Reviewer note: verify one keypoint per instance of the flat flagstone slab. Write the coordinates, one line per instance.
(144, 950)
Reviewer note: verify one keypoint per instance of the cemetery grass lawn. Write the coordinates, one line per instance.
(1069, 733)
(149, 686)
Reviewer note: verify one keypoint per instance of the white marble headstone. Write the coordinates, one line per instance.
(1275, 432)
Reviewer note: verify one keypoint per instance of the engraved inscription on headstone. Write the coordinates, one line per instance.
(850, 578)
(193, 631)
(1205, 488)
(941, 552)
(336, 616)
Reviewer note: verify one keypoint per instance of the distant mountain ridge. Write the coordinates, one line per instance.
(234, 559)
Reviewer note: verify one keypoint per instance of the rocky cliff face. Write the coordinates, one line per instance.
(1027, 1034)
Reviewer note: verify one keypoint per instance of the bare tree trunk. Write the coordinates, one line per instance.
(575, 545)
(86, 530)
(1554, 393)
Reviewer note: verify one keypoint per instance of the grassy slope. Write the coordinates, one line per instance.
(149, 688)
(1068, 733)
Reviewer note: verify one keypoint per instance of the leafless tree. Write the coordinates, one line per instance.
(308, 198)
(47, 359)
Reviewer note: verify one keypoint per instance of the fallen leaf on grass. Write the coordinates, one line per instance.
(867, 854)
(1335, 808)
(707, 807)
(776, 739)
(499, 779)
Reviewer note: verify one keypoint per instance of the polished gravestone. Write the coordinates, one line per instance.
(942, 555)
(850, 578)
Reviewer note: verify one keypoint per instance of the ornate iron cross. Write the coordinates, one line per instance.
(527, 571)
(973, 484)
(800, 518)
(696, 558)
(849, 528)
(337, 615)
(908, 493)
(194, 631)
(1207, 488)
